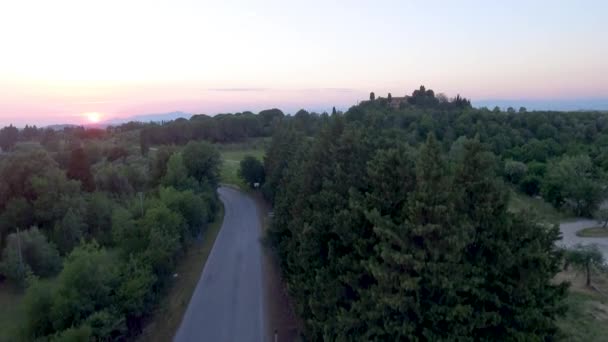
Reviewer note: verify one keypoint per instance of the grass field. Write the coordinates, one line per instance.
(587, 316)
(230, 163)
(546, 212)
(593, 232)
(168, 316)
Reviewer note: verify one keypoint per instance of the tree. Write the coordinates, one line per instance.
(251, 171)
(190, 206)
(602, 217)
(158, 165)
(18, 213)
(177, 175)
(29, 251)
(165, 228)
(37, 303)
(80, 169)
(509, 252)
(333, 111)
(202, 161)
(372, 96)
(585, 257)
(69, 231)
(285, 142)
(515, 171)
(416, 258)
(98, 217)
(8, 137)
(573, 181)
(85, 284)
(389, 98)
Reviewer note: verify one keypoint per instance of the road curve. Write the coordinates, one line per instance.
(227, 304)
(569, 237)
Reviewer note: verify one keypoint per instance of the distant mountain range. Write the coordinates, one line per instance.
(599, 104)
(148, 118)
(119, 121)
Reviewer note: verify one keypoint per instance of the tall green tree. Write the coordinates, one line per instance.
(202, 161)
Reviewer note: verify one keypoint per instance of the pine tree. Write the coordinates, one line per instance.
(511, 259)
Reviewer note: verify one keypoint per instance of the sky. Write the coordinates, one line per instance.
(62, 60)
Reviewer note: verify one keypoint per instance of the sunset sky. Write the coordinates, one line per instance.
(61, 59)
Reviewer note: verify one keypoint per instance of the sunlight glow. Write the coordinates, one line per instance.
(93, 117)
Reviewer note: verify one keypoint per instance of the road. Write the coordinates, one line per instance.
(570, 239)
(227, 304)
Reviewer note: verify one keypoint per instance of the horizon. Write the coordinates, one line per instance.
(70, 59)
(557, 105)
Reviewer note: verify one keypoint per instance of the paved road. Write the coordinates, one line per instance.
(227, 302)
(570, 239)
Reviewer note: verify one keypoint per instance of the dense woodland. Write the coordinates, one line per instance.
(91, 229)
(393, 223)
(391, 219)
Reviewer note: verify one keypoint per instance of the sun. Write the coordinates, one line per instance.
(93, 117)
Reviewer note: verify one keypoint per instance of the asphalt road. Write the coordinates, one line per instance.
(570, 239)
(228, 299)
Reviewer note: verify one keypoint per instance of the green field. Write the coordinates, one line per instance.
(230, 163)
(586, 319)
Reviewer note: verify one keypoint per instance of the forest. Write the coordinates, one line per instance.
(91, 229)
(391, 220)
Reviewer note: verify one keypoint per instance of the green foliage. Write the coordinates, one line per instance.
(86, 283)
(190, 206)
(585, 258)
(82, 333)
(378, 241)
(285, 143)
(29, 251)
(202, 162)
(69, 231)
(98, 217)
(158, 167)
(165, 229)
(38, 302)
(251, 170)
(177, 175)
(515, 171)
(135, 293)
(573, 182)
(111, 178)
(100, 294)
(79, 168)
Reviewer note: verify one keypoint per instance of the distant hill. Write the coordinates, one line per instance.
(60, 127)
(149, 118)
